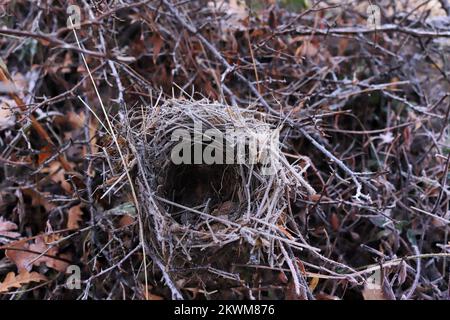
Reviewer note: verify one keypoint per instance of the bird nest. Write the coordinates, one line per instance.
(215, 189)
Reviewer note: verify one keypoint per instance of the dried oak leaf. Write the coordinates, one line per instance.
(39, 199)
(57, 174)
(373, 293)
(6, 227)
(126, 221)
(151, 296)
(25, 255)
(44, 154)
(74, 217)
(13, 281)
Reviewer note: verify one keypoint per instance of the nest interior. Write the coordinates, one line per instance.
(199, 186)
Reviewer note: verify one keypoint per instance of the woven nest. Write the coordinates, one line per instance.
(213, 216)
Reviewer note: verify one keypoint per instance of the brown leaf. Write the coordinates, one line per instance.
(19, 253)
(70, 123)
(44, 42)
(157, 45)
(236, 10)
(342, 45)
(335, 223)
(13, 281)
(38, 199)
(44, 154)
(56, 172)
(282, 277)
(151, 296)
(407, 137)
(285, 231)
(6, 227)
(93, 124)
(313, 283)
(307, 49)
(301, 266)
(272, 20)
(126, 220)
(315, 197)
(291, 293)
(74, 217)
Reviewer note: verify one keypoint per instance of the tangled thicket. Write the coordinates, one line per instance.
(87, 179)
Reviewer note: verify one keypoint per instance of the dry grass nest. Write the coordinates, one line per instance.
(212, 217)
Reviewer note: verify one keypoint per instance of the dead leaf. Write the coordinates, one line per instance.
(272, 20)
(301, 266)
(315, 197)
(313, 283)
(236, 11)
(44, 154)
(283, 278)
(6, 227)
(285, 231)
(291, 293)
(157, 45)
(335, 223)
(307, 49)
(126, 220)
(93, 124)
(38, 199)
(44, 42)
(407, 137)
(74, 217)
(7, 117)
(56, 173)
(25, 255)
(343, 45)
(76, 120)
(151, 296)
(13, 281)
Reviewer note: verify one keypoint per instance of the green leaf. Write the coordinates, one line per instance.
(125, 208)
(295, 4)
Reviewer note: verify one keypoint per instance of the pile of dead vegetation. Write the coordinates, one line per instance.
(357, 205)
